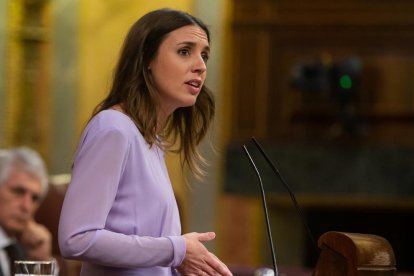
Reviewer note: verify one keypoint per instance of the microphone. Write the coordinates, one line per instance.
(292, 195)
(265, 210)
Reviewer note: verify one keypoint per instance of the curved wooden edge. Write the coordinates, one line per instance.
(354, 254)
(360, 249)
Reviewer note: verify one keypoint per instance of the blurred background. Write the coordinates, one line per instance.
(326, 87)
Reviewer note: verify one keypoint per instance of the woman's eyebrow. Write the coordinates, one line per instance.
(193, 44)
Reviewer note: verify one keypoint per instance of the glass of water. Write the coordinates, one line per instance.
(35, 268)
(264, 271)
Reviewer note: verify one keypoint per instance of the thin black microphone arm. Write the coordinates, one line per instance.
(292, 195)
(265, 210)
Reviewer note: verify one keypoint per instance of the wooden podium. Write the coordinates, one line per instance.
(352, 254)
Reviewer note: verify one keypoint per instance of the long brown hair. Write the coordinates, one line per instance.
(134, 89)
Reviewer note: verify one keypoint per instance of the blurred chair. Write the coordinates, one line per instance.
(48, 215)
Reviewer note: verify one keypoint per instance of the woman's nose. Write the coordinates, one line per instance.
(199, 65)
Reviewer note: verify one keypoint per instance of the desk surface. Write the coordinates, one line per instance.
(283, 271)
(288, 271)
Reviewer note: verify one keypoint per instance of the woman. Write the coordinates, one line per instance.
(120, 216)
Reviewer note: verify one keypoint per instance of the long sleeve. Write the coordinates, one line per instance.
(106, 215)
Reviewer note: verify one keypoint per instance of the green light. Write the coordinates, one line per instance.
(345, 82)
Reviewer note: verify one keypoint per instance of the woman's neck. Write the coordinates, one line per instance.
(161, 119)
(118, 107)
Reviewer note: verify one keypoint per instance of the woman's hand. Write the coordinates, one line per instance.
(198, 260)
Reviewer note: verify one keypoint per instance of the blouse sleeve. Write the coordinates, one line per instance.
(97, 171)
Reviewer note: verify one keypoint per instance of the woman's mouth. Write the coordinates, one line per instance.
(194, 83)
(195, 86)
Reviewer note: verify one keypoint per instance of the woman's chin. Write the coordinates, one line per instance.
(189, 102)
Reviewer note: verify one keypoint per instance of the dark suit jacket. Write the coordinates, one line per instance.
(15, 252)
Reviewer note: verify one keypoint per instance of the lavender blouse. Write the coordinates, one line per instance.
(120, 216)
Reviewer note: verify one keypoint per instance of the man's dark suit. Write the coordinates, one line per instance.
(15, 252)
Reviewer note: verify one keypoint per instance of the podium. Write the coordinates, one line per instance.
(345, 254)
(353, 254)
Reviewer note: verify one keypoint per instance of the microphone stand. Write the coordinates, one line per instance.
(292, 195)
(265, 210)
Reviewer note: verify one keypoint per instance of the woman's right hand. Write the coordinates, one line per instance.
(198, 260)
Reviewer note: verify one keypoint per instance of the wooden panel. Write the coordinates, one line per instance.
(386, 89)
(272, 37)
(240, 247)
(350, 12)
(250, 83)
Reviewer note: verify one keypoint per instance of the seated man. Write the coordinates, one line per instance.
(23, 184)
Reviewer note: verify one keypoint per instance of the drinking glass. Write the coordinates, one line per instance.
(35, 268)
(264, 271)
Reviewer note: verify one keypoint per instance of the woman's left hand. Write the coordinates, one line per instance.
(198, 260)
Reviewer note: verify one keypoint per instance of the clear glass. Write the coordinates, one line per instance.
(35, 268)
(264, 271)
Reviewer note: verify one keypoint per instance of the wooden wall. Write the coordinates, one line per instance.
(271, 37)
(269, 40)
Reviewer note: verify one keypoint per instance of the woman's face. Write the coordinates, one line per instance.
(179, 68)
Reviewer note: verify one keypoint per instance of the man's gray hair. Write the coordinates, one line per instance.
(23, 159)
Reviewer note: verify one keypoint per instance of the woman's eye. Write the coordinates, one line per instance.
(183, 52)
(205, 57)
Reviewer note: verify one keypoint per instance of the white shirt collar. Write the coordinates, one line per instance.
(5, 240)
